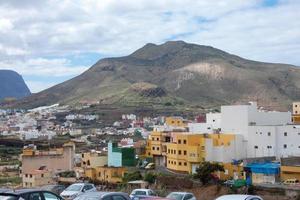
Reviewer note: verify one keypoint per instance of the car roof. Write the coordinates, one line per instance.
(95, 193)
(141, 189)
(235, 197)
(181, 193)
(22, 191)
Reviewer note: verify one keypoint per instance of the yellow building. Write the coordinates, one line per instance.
(37, 178)
(176, 121)
(106, 174)
(187, 151)
(93, 159)
(296, 112)
(290, 168)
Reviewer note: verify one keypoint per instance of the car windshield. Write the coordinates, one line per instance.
(175, 196)
(140, 192)
(7, 197)
(74, 188)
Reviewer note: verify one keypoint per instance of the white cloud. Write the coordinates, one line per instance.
(44, 67)
(37, 86)
(32, 30)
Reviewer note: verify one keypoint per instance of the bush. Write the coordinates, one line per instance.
(150, 177)
(205, 171)
(132, 176)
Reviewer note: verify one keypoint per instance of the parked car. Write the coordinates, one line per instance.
(150, 166)
(103, 196)
(77, 189)
(239, 197)
(29, 194)
(291, 181)
(229, 183)
(181, 196)
(57, 189)
(141, 193)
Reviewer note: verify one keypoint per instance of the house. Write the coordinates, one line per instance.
(267, 172)
(290, 168)
(120, 156)
(106, 174)
(37, 178)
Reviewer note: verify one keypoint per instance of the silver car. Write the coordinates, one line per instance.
(239, 197)
(181, 196)
(103, 196)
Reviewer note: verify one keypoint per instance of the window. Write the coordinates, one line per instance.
(285, 133)
(269, 133)
(88, 162)
(255, 147)
(188, 196)
(296, 105)
(153, 148)
(184, 152)
(152, 138)
(171, 151)
(118, 197)
(285, 146)
(174, 162)
(179, 152)
(26, 175)
(296, 112)
(99, 174)
(269, 147)
(82, 155)
(35, 196)
(157, 148)
(185, 164)
(30, 175)
(169, 161)
(202, 148)
(42, 175)
(168, 150)
(184, 141)
(157, 139)
(49, 196)
(179, 141)
(174, 151)
(179, 163)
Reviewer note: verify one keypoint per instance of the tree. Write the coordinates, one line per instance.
(132, 176)
(205, 171)
(150, 177)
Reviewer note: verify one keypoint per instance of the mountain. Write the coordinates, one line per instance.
(179, 74)
(12, 85)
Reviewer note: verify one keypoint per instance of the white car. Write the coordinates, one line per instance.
(142, 192)
(239, 197)
(181, 196)
(77, 189)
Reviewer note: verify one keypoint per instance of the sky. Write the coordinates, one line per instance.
(50, 41)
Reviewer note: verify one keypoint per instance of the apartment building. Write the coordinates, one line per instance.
(187, 150)
(59, 159)
(296, 113)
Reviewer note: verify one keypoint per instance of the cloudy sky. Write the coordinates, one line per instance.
(51, 41)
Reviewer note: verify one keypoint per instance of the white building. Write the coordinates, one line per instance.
(265, 133)
(212, 124)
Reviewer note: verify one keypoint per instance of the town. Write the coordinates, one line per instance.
(251, 146)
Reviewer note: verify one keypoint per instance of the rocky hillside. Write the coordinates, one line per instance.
(12, 85)
(177, 73)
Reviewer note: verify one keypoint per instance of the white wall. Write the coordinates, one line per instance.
(261, 141)
(235, 151)
(214, 119)
(291, 140)
(200, 128)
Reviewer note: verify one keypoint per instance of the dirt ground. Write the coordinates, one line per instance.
(213, 191)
